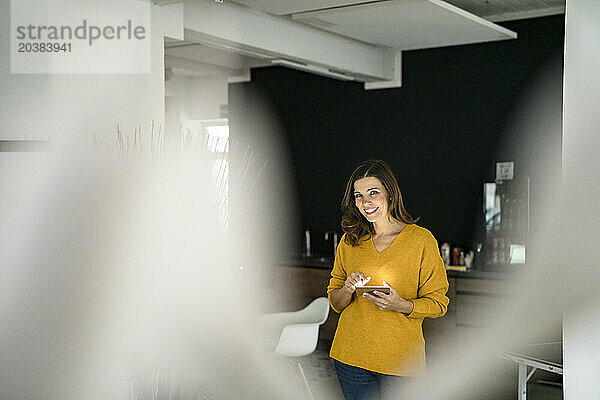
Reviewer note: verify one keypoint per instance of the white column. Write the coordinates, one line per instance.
(580, 225)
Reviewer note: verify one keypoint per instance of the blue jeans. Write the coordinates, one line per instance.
(361, 384)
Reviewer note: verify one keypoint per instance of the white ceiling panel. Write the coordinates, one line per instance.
(407, 24)
(285, 7)
(482, 8)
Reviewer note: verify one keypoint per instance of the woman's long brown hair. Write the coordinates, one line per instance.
(354, 224)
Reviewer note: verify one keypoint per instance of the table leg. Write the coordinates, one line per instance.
(522, 381)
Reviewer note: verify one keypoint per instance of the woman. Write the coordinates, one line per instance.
(379, 337)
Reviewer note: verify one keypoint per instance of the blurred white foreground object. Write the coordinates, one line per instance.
(296, 333)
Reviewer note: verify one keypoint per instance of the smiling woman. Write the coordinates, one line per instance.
(382, 246)
(371, 182)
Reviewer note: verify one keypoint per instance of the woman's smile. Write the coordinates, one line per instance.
(371, 211)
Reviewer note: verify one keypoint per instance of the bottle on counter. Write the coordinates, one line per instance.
(445, 252)
(469, 258)
(461, 258)
(456, 255)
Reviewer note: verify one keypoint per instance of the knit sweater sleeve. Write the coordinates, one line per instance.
(338, 274)
(431, 298)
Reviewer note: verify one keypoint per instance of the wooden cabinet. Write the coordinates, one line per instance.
(496, 287)
(292, 288)
(308, 284)
(479, 302)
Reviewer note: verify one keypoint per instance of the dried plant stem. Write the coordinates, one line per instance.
(131, 147)
(256, 181)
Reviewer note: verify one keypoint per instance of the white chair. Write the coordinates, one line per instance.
(296, 333)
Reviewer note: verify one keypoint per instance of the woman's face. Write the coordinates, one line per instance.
(371, 198)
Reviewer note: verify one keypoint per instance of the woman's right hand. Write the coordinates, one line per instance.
(355, 278)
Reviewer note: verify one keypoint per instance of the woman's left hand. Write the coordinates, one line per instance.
(389, 302)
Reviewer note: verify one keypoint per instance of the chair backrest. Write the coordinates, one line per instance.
(316, 312)
(300, 335)
(282, 330)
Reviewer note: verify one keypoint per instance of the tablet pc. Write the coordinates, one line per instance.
(369, 289)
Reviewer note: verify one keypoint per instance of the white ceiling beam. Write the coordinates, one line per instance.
(186, 64)
(237, 28)
(392, 83)
(312, 69)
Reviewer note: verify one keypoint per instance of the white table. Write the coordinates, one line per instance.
(544, 356)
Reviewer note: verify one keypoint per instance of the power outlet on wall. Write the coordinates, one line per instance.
(505, 170)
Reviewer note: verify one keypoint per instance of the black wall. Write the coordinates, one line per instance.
(459, 110)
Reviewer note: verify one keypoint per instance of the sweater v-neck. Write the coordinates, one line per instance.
(391, 244)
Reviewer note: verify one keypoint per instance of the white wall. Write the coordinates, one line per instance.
(24, 99)
(580, 224)
(97, 102)
(67, 107)
(198, 98)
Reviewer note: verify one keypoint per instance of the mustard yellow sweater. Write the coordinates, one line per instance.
(387, 341)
